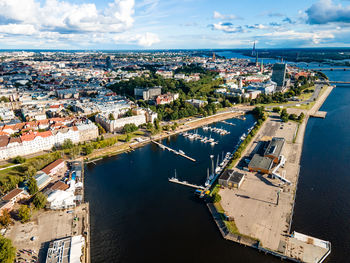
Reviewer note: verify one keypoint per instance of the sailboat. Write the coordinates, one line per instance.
(207, 182)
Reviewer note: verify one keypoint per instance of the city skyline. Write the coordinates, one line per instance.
(187, 24)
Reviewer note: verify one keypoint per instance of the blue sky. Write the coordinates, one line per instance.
(173, 24)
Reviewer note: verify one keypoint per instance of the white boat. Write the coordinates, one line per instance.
(181, 151)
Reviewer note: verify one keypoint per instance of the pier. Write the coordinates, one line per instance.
(176, 181)
(164, 147)
(319, 114)
(228, 123)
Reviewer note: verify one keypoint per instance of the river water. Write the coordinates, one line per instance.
(138, 216)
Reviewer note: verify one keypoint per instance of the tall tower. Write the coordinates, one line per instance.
(213, 56)
(262, 66)
(256, 60)
(253, 50)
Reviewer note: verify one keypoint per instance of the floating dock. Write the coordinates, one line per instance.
(164, 147)
(177, 181)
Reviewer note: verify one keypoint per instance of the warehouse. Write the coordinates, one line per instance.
(274, 149)
(260, 164)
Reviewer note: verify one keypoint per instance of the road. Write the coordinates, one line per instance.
(314, 96)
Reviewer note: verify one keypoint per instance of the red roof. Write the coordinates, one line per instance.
(44, 134)
(12, 194)
(52, 165)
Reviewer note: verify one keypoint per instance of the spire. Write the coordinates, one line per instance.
(256, 60)
(253, 51)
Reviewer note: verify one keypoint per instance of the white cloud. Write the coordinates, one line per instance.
(315, 37)
(61, 21)
(325, 11)
(218, 15)
(16, 29)
(227, 27)
(148, 39)
(145, 40)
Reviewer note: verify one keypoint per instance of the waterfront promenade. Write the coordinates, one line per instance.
(262, 207)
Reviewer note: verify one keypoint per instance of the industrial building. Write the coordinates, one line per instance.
(231, 179)
(266, 155)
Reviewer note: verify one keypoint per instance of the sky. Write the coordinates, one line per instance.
(173, 24)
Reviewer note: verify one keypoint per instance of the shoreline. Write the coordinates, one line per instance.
(251, 242)
(193, 124)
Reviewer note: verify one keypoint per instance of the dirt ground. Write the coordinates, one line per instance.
(46, 226)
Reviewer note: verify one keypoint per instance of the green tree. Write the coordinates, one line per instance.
(293, 117)
(7, 250)
(67, 144)
(24, 213)
(276, 109)
(127, 138)
(5, 219)
(301, 117)
(174, 126)
(101, 130)
(156, 124)
(32, 186)
(30, 171)
(130, 127)
(217, 198)
(39, 200)
(88, 149)
(18, 159)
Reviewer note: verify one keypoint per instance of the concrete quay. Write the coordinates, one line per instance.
(262, 207)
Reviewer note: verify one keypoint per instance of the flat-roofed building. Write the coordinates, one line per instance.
(231, 179)
(279, 74)
(274, 148)
(65, 250)
(260, 164)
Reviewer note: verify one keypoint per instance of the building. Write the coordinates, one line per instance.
(54, 167)
(166, 98)
(147, 93)
(279, 74)
(66, 250)
(59, 199)
(42, 179)
(267, 154)
(197, 103)
(231, 179)
(8, 201)
(274, 149)
(260, 164)
(141, 116)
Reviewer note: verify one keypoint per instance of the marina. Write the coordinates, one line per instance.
(219, 131)
(195, 136)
